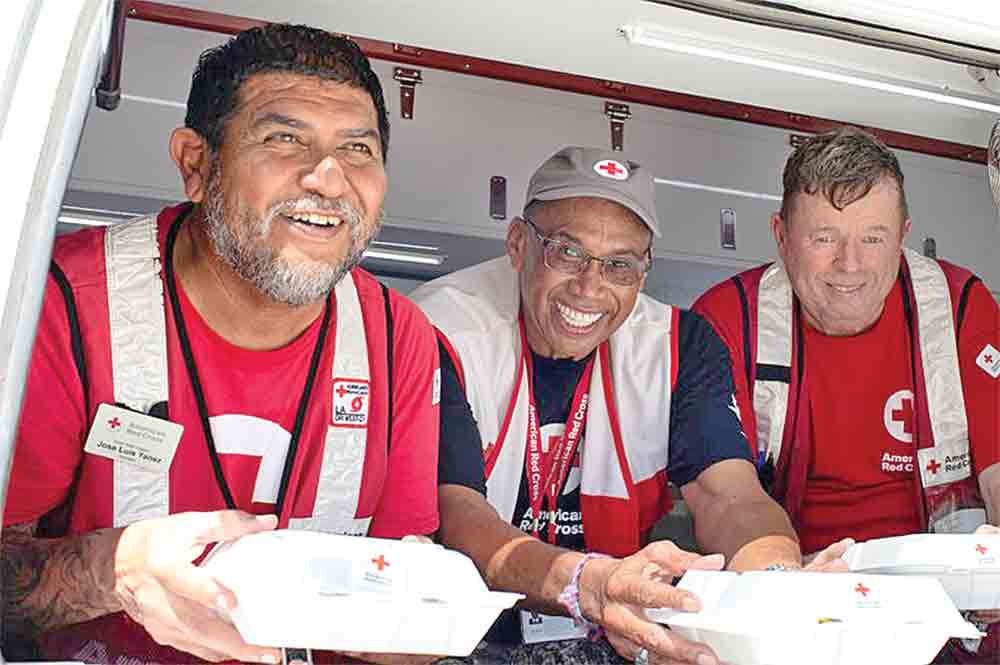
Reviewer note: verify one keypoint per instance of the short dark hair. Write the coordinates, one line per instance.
(843, 165)
(277, 47)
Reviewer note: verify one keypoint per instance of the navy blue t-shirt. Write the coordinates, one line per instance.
(704, 424)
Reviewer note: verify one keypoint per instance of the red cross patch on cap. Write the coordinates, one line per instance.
(989, 360)
(609, 168)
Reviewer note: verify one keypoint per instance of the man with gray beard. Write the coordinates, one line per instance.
(242, 317)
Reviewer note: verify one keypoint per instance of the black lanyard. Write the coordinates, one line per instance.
(199, 393)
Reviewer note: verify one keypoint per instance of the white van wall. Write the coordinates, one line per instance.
(467, 129)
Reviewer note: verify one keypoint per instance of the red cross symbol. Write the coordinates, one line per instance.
(610, 168)
(380, 562)
(341, 391)
(982, 550)
(904, 414)
(933, 466)
(988, 359)
(114, 423)
(862, 589)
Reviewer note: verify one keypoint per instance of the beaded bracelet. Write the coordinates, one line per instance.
(570, 599)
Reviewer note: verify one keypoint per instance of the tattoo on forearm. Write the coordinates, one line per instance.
(48, 583)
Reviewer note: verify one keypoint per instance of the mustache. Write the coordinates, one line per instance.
(338, 207)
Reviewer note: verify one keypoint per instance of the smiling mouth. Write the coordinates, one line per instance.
(846, 290)
(316, 219)
(574, 318)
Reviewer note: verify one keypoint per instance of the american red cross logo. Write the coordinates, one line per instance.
(933, 466)
(904, 414)
(611, 168)
(982, 550)
(862, 589)
(114, 423)
(341, 391)
(380, 563)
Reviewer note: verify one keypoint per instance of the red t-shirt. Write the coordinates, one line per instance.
(860, 419)
(251, 397)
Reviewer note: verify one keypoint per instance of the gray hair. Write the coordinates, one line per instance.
(843, 165)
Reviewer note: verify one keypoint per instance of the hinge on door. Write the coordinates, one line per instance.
(618, 114)
(408, 81)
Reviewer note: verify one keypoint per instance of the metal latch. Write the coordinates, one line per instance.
(618, 114)
(408, 81)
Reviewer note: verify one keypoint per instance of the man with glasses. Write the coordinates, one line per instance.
(577, 398)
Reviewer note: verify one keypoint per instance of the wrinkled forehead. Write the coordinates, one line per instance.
(589, 216)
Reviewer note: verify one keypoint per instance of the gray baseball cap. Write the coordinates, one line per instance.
(604, 174)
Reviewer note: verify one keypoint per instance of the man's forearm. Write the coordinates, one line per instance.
(752, 534)
(48, 583)
(508, 558)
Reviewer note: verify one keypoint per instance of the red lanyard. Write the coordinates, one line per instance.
(556, 463)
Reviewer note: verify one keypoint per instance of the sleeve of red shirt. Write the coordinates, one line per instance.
(980, 329)
(409, 500)
(53, 420)
(720, 305)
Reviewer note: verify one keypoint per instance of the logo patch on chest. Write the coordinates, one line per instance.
(898, 416)
(989, 360)
(350, 402)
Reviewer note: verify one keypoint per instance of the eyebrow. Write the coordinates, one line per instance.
(271, 118)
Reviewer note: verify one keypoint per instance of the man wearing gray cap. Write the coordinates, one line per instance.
(576, 398)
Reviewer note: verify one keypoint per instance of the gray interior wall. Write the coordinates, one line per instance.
(468, 129)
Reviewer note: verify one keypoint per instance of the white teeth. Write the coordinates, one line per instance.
(845, 289)
(316, 218)
(576, 318)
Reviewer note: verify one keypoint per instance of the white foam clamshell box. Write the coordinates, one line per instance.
(967, 565)
(790, 618)
(345, 593)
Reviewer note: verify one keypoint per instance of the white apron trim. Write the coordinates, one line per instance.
(774, 347)
(339, 490)
(138, 355)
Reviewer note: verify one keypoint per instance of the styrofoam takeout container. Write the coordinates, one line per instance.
(790, 618)
(967, 565)
(343, 593)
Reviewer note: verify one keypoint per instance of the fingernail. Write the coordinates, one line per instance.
(269, 658)
(267, 520)
(706, 659)
(223, 603)
(690, 604)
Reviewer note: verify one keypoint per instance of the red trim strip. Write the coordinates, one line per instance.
(158, 12)
(493, 447)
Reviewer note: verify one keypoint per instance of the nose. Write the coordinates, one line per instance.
(848, 255)
(589, 280)
(326, 179)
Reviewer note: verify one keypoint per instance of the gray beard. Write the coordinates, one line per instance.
(240, 245)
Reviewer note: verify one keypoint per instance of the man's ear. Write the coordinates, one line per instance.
(516, 243)
(193, 158)
(779, 229)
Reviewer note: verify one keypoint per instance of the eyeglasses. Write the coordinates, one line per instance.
(570, 258)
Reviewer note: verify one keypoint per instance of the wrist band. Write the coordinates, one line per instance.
(570, 598)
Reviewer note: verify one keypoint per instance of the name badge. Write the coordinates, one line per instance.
(128, 436)
(537, 627)
(944, 464)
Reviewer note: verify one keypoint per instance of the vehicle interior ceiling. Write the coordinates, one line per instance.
(726, 56)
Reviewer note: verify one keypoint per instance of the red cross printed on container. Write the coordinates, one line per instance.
(862, 589)
(114, 423)
(380, 563)
(609, 168)
(988, 358)
(933, 466)
(981, 549)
